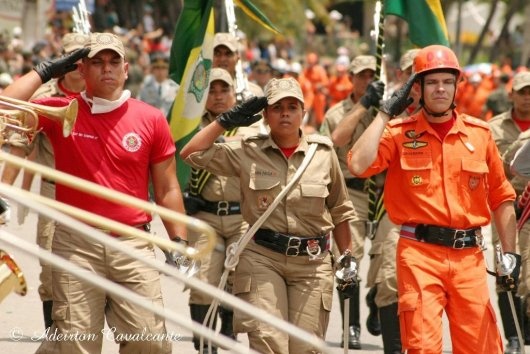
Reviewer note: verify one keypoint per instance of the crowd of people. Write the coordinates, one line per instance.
(418, 165)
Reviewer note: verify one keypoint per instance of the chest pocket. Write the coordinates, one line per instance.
(473, 176)
(313, 197)
(417, 170)
(264, 190)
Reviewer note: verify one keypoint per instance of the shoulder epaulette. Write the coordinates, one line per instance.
(502, 116)
(255, 137)
(398, 121)
(320, 139)
(47, 90)
(475, 121)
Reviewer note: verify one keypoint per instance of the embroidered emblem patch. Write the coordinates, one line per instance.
(416, 180)
(473, 182)
(411, 134)
(415, 144)
(264, 200)
(131, 142)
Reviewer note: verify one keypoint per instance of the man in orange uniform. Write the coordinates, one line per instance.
(444, 180)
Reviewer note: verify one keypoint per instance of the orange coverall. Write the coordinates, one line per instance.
(454, 184)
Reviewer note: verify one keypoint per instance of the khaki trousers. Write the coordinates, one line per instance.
(358, 225)
(293, 288)
(382, 270)
(229, 229)
(45, 231)
(80, 309)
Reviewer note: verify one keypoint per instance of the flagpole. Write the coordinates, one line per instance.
(375, 204)
(242, 91)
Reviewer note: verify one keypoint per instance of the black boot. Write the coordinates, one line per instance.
(526, 330)
(47, 312)
(227, 319)
(390, 329)
(526, 323)
(198, 314)
(508, 323)
(512, 346)
(354, 341)
(372, 322)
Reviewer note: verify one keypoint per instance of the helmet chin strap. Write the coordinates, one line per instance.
(434, 114)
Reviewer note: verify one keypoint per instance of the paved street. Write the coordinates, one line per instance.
(21, 317)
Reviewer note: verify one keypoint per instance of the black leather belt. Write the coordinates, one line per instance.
(291, 245)
(355, 183)
(221, 208)
(448, 237)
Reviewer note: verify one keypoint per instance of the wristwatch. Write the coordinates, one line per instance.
(178, 239)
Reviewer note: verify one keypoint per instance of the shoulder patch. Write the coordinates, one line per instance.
(475, 121)
(320, 139)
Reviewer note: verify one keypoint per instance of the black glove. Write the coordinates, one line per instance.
(58, 67)
(373, 95)
(400, 100)
(510, 282)
(243, 114)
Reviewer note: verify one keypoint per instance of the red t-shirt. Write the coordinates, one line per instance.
(114, 149)
(522, 124)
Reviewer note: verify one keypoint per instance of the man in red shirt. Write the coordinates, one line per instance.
(444, 180)
(117, 142)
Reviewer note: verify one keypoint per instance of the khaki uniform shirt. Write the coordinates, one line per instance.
(521, 163)
(505, 132)
(41, 142)
(315, 204)
(332, 119)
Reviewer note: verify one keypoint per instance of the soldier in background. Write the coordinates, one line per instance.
(507, 128)
(226, 56)
(157, 88)
(216, 201)
(362, 71)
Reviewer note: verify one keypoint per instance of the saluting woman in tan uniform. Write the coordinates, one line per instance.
(286, 268)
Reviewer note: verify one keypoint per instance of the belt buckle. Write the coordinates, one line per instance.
(313, 249)
(222, 208)
(459, 242)
(294, 243)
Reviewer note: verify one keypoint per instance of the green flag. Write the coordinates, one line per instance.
(425, 18)
(190, 64)
(256, 15)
